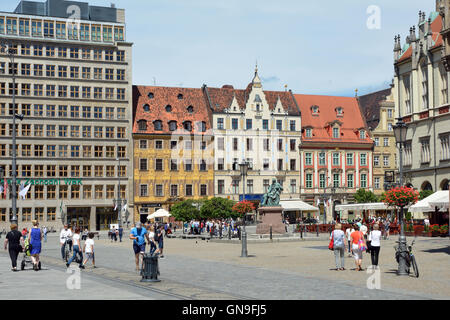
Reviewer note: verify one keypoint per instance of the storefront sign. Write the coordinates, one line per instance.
(46, 182)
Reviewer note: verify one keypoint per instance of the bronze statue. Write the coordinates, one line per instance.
(272, 197)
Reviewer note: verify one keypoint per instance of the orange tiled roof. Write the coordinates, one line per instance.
(351, 120)
(164, 96)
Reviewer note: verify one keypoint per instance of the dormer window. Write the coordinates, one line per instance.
(258, 107)
(201, 126)
(180, 97)
(339, 111)
(336, 133)
(309, 133)
(172, 125)
(168, 108)
(146, 108)
(362, 134)
(187, 125)
(151, 95)
(315, 110)
(157, 125)
(142, 124)
(258, 98)
(190, 109)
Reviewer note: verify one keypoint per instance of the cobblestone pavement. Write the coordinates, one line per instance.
(196, 269)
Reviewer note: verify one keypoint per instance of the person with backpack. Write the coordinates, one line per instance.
(138, 235)
(358, 247)
(338, 238)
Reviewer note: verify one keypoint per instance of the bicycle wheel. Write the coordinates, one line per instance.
(414, 265)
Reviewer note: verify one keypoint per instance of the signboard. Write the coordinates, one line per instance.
(151, 205)
(46, 182)
(252, 197)
(389, 176)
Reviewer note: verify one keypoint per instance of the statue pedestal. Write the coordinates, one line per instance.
(271, 216)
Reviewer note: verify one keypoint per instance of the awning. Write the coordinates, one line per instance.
(438, 199)
(296, 205)
(363, 206)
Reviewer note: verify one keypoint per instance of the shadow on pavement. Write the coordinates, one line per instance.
(439, 250)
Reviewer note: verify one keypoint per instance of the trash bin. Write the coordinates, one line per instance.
(150, 271)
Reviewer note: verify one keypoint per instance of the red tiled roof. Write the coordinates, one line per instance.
(221, 99)
(351, 120)
(436, 28)
(406, 55)
(163, 96)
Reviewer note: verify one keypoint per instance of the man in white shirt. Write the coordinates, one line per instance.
(65, 236)
(363, 229)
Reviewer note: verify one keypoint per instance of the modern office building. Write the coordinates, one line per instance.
(422, 99)
(72, 66)
(173, 148)
(336, 152)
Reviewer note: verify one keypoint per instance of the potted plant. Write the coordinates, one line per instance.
(243, 207)
(435, 230)
(444, 230)
(401, 197)
(426, 231)
(418, 230)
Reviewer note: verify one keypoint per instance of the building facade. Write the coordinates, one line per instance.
(173, 148)
(261, 127)
(336, 152)
(379, 111)
(422, 100)
(74, 89)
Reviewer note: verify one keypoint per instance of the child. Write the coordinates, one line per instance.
(89, 249)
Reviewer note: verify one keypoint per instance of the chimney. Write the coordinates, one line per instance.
(397, 48)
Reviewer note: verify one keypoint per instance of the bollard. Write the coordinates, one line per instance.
(301, 232)
(270, 233)
(317, 230)
(151, 270)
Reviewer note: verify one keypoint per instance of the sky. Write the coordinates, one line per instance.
(314, 47)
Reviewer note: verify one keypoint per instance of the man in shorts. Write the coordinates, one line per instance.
(138, 235)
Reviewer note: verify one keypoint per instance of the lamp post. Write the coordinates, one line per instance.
(119, 199)
(400, 131)
(7, 48)
(244, 170)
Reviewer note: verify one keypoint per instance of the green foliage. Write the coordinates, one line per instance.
(363, 196)
(185, 210)
(218, 208)
(408, 216)
(425, 193)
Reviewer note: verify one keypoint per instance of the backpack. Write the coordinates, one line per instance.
(339, 242)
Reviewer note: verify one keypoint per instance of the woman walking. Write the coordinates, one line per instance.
(151, 235)
(14, 241)
(76, 248)
(338, 237)
(35, 242)
(357, 237)
(375, 238)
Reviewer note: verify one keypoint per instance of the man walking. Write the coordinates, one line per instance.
(120, 233)
(138, 235)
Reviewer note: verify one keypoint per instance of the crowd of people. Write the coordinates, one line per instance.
(216, 228)
(356, 239)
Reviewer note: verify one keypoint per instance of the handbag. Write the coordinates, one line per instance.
(331, 244)
(361, 244)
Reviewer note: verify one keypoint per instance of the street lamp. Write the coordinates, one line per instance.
(118, 201)
(400, 131)
(7, 48)
(244, 171)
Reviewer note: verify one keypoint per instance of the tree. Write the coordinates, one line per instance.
(363, 196)
(185, 210)
(217, 208)
(425, 193)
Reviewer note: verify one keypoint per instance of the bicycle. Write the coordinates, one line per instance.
(410, 259)
(67, 250)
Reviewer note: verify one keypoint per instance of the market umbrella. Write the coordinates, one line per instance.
(161, 213)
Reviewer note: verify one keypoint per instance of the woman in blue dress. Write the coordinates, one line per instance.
(35, 241)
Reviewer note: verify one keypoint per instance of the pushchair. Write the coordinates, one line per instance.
(26, 260)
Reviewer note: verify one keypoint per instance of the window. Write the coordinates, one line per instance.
(26, 69)
(174, 190)
(350, 180)
(98, 93)
(98, 151)
(235, 144)
(51, 212)
(425, 151)
(221, 187)
(109, 55)
(279, 125)
(322, 178)
(26, 214)
(86, 112)
(172, 126)
(309, 133)
(336, 133)
(445, 147)
(292, 125)
(143, 164)
(98, 171)
(249, 144)
(309, 182)
(63, 171)
(308, 159)
(386, 161)
(336, 180)
(74, 72)
(203, 166)
(158, 126)
(265, 124)
(363, 159)
(173, 145)
(24, 27)
(407, 88)
(235, 124)
(235, 186)
(38, 50)
(188, 165)
(63, 151)
(376, 161)
(38, 70)
(249, 124)
(350, 159)
(386, 142)
(266, 144)
(159, 190)
(376, 183)
(362, 134)
(363, 180)
(98, 114)
(86, 73)
(390, 113)
(322, 159)
(96, 33)
(336, 161)
(62, 91)
(118, 34)
(159, 165)
(75, 171)
(220, 125)
(120, 55)
(120, 75)
(203, 190)
(390, 128)
(60, 30)
(424, 87)
(98, 192)
(293, 145)
(87, 151)
(143, 190)
(293, 165)
(87, 171)
(62, 111)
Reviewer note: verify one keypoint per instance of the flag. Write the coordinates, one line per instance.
(115, 208)
(24, 190)
(125, 207)
(5, 188)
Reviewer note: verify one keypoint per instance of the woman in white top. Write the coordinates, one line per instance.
(76, 249)
(375, 238)
(338, 237)
(348, 233)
